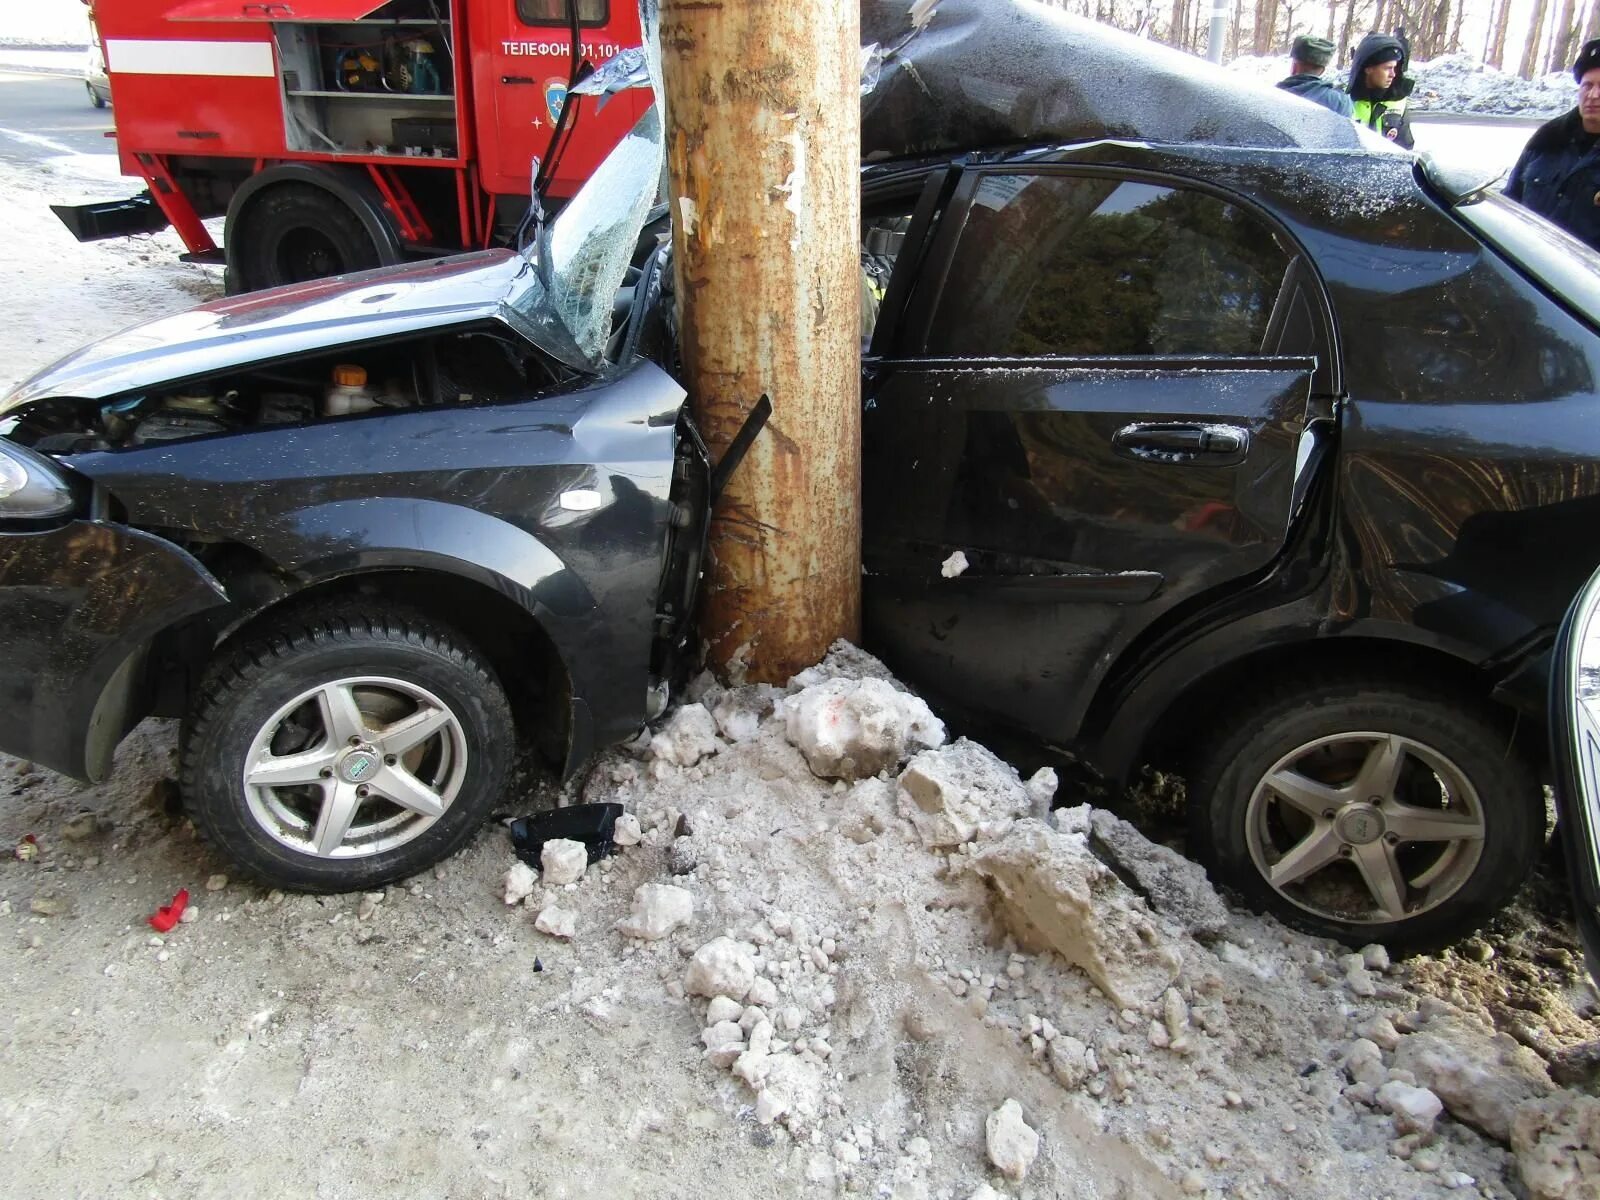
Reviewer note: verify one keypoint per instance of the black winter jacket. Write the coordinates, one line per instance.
(1558, 177)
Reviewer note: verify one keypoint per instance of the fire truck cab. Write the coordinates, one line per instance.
(336, 135)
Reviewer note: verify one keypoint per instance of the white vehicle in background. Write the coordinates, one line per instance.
(95, 79)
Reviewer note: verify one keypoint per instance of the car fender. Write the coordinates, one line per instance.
(350, 537)
(80, 608)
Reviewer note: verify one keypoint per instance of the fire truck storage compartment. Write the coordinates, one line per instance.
(379, 85)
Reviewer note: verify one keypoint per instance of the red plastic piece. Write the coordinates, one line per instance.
(169, 915)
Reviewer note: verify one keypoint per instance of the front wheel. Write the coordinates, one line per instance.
(345, 749)
(95, 98)
(1369, 813)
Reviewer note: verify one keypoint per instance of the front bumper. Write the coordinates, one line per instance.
(80, 606)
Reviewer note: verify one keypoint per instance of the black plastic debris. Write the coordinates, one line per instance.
(591, 824)
(537, 965)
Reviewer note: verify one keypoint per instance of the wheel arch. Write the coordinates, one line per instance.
(525, 655)
(345, 185)
(1154, 720)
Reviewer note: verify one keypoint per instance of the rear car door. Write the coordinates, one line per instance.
(1099, 389)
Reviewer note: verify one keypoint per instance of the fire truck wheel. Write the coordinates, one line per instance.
(294, 232)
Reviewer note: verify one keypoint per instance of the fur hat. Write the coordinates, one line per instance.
(1588, 59)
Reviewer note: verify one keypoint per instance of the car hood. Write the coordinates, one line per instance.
(283, 322)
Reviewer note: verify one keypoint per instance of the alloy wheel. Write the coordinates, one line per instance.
(355, 767)
(1365, 827)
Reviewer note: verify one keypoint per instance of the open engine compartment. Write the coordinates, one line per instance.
(479, 365)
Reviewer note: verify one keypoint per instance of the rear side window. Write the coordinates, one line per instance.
(1085, 266)
(554, 12)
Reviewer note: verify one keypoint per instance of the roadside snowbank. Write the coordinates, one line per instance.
(1452, 83)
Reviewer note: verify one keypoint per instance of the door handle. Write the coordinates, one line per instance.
(516, 79)
(1165, 442)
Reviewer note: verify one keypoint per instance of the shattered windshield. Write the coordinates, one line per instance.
(562, 300)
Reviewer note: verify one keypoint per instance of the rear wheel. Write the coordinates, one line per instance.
(1369, 813)
(295, 232)
(345, 749)
(95, 98)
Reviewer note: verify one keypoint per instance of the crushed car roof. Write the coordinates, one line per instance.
(969, 74)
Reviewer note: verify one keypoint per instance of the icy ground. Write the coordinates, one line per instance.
(852, 959)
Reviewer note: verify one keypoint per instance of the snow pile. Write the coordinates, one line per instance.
(1450, 83)
(914, 979)
(1459, 83)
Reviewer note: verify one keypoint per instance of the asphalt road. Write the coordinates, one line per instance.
(43, 116)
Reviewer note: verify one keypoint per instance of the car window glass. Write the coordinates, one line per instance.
(554, 12)
(1063, 265)
(881, 239)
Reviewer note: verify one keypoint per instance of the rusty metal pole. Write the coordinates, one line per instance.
(763, 150)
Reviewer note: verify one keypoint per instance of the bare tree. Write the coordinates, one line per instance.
(1591, 27)
(1562, 36)
(1495, 55)
(1530, 52)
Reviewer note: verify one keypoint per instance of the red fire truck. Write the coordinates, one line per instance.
(341, 134)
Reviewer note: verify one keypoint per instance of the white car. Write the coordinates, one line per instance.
(95, 79)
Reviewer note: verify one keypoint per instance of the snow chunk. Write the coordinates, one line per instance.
(952, 794)
(1069, 1061)
(1175, 886)
(689, 735)
(626, 831)
(1053, 895)
(1415, 1109)
(520, 881)
(854, 728)
(556, 921)
(792, 1090)
(1482, 1079)
(658, 909)
(1012, 1144)
(953, 566)
(1557, 1144)
(739, 713)
(722, 967)
(564, 861)
(1042, 785)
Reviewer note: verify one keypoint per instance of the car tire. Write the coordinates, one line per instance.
(95, 98)
(345, 748)
(295, 232)
(1275, 812)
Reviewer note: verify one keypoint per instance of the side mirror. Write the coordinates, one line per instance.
(1575, 752)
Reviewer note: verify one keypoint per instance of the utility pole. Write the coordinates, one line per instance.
(1219, 30)
(764, 154)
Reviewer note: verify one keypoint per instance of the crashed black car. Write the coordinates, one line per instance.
(1268, 449)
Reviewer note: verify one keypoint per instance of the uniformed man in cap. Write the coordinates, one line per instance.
(1558, 175)
(1308, 59)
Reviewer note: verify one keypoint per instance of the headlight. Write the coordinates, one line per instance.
(31, 486)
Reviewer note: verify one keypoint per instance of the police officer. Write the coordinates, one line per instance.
(1380, 87)
(1308, 59)
(1558, 175)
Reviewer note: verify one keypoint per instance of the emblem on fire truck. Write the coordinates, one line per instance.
(555, 95)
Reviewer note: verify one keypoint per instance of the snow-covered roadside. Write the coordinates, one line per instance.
(883, 991)
(1452, 83)
(59, 293)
